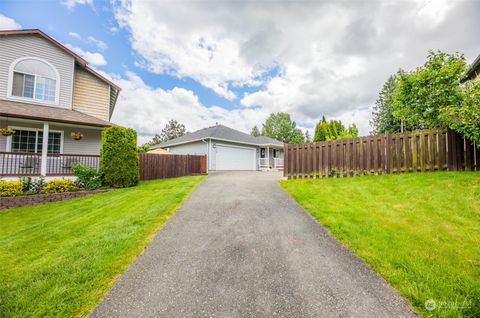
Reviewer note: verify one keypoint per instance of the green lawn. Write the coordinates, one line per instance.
(59, 259)
(420, 231)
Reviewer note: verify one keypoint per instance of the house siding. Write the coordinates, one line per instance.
(91, 95)
(193, 148)
(13, 47)
(89, 145)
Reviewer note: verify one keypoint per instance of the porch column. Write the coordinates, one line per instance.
(268, 157)
(43, 168)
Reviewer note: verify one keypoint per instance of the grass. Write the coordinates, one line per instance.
(420, 231)
(59, 259)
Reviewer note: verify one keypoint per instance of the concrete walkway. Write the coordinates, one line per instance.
(241, 247)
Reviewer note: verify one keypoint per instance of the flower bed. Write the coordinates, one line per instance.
(25, 200)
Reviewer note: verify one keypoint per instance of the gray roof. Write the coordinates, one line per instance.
(221, 132)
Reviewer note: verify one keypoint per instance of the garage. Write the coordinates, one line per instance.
(230, 157)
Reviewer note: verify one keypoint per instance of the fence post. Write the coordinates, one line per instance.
(387, 152)
(285, 160)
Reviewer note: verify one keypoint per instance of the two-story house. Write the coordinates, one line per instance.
(53, 106)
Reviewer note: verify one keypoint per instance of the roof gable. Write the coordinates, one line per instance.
(78, 59)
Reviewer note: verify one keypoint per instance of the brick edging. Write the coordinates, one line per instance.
(25, 200)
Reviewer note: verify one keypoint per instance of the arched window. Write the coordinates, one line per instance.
(35, 79)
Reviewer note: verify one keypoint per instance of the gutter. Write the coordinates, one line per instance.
(208, 153)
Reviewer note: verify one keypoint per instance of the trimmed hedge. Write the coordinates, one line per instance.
(119, 157)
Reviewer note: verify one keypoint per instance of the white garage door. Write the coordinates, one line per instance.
(235, 158)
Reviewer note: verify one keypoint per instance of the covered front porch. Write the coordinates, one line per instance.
(44, 148)
(271, 157)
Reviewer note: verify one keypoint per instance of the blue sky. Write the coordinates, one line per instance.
(101, 24)
(236, 62)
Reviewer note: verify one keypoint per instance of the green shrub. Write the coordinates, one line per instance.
(31, 185)
(10, 188)
(87, 177)
(59, 185)
(119, 157)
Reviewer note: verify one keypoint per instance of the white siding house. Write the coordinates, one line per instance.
(229, 149)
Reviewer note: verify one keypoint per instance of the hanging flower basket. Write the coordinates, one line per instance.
(7, 132)
(76, 135)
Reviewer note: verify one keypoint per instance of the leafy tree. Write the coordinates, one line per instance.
(334, 129)
(255, 132)
(144, 148)
(281, 127)
(465, 119)
(172, 130)
(383, 120)
(419, 96)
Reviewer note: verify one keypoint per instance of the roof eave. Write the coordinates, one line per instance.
(54, 120)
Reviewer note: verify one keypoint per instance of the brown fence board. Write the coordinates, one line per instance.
(425, 150)
(160, 166)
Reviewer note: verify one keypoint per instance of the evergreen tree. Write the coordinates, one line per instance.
(255, 132)
(383, 120)
(334, 129)
(173, 129)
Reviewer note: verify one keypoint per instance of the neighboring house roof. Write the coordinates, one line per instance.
(80, 61)
(473, 71)
(12, 109)
(221, 132)
(159, 151)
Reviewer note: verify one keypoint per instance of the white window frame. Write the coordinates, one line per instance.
(33, 100)
(9, 138)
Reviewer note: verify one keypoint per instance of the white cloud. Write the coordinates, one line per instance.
(98, 43)
(7, 23)
(75, 35)
(93, 58)
(333, 57)
(147, 109)
(70, 4)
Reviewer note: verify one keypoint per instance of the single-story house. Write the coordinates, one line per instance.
(228, 149)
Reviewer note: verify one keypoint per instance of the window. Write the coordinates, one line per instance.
(34, 79)
(32, 140)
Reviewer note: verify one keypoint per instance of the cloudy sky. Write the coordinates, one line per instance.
(235, 62)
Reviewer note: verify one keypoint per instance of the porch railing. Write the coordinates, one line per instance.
(263, 163)
(278, 162)
(29, 164)
(61, 164)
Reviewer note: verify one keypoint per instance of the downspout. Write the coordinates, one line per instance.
(208, 153)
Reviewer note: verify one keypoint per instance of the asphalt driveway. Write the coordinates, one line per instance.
(241, 247)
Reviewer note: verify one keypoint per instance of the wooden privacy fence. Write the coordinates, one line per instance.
(156, 166)
(423, 150)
